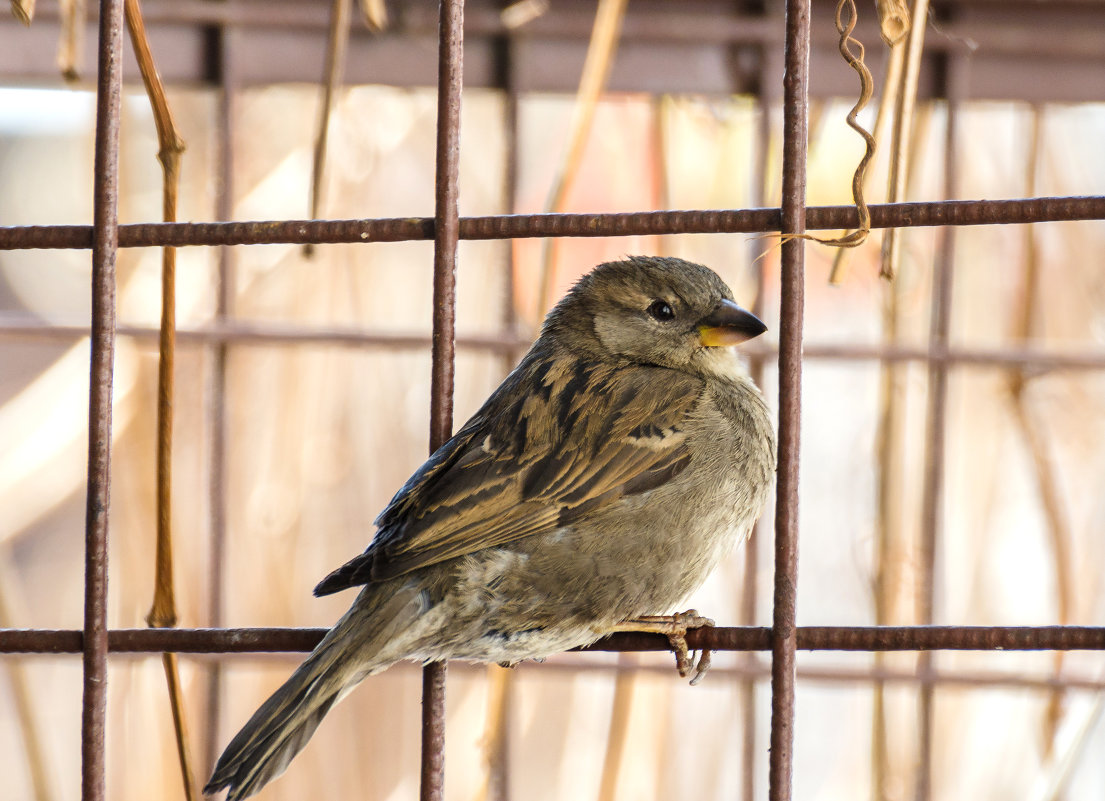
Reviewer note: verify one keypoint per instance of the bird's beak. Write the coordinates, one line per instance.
(729, 324)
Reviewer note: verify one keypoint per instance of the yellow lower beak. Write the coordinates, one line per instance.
(719, 336)
(729, 324)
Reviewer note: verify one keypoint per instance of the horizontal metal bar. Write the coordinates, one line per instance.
(810, 638)
(756, 670)
(261, 334)
(518, 226)
(15, 327)
(704, 24)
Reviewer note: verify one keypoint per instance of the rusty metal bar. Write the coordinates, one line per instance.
(265, 333)
(105, 237)
(522, 226)
(446, 225)
(756, 670)
(216, 391)
(757, 250)
(792, 286)
(756, 638)
(936, 434)
(690, 25)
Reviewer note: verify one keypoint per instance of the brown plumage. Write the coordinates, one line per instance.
(601, 482)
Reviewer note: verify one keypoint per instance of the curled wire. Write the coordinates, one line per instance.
(867, 89)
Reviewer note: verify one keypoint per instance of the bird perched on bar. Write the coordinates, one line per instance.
(594, 491)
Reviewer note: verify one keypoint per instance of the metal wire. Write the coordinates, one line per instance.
(739, 638)
(95, 641)
(446, 224)
(105, 237)
(521, 226)
(792, 292)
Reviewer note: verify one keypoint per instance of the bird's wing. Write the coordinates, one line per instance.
(561, 443)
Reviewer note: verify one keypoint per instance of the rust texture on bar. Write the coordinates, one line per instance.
(936, 423)
(522, 226)
(267, 333)
(215, 402)
(720, 638)
(105, 238)
(792, 284)
(748, 592)
(446, 226)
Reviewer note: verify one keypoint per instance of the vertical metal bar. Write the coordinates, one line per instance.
(105, 241)
(446, 231)
(216, 400)
(784, 636)
(510, 187)
(936, 425)
(502, 683)
(762, 138)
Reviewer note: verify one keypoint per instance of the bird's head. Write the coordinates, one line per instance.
(652, 310)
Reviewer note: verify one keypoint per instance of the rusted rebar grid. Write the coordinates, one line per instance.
(244, 333)
(719, 638)
(791, 316)
(668, 22)
(748, 592)
(105, 237)
(446, 225)
(523, 226)
(936, 425)
(215, 402)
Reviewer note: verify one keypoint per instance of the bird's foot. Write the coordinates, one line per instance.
(675, 628)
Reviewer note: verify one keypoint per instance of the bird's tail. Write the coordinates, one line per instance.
(285, 722)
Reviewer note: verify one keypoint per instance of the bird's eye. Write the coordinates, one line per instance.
(661, 311)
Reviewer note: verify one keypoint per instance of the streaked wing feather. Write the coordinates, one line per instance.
(575, 440)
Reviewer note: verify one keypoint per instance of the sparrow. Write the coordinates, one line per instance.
(597, 488)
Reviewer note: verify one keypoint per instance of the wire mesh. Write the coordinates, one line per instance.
(445, 228)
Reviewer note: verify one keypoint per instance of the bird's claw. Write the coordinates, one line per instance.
(675, 628)
(681, 623)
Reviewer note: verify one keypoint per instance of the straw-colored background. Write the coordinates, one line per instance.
(321, 436)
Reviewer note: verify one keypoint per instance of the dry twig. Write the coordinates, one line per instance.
(375, 14)
(163, 610)
(335, 61)
(596, 71)
(1032, 430)
(23, 10)
(22, 695)
(893, 20)
(867, 88)
(900, 137)
(73, 15)
(496, 742)
(622, 706)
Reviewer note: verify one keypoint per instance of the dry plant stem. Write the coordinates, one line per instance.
(866, 90)
(624, 683)
(22, 696)
(163, 611)
(596, 70)
(496, 785)
(72, 30)
(890, 542)
(900, 138)
(336, 44)
(375, 14)
(1058, 773)
(893, 20)
(891, 81)
(1035, 439)
(889, 447)
(23, 10)
(867, 87)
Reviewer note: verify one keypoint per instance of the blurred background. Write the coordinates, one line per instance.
(321, 430)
